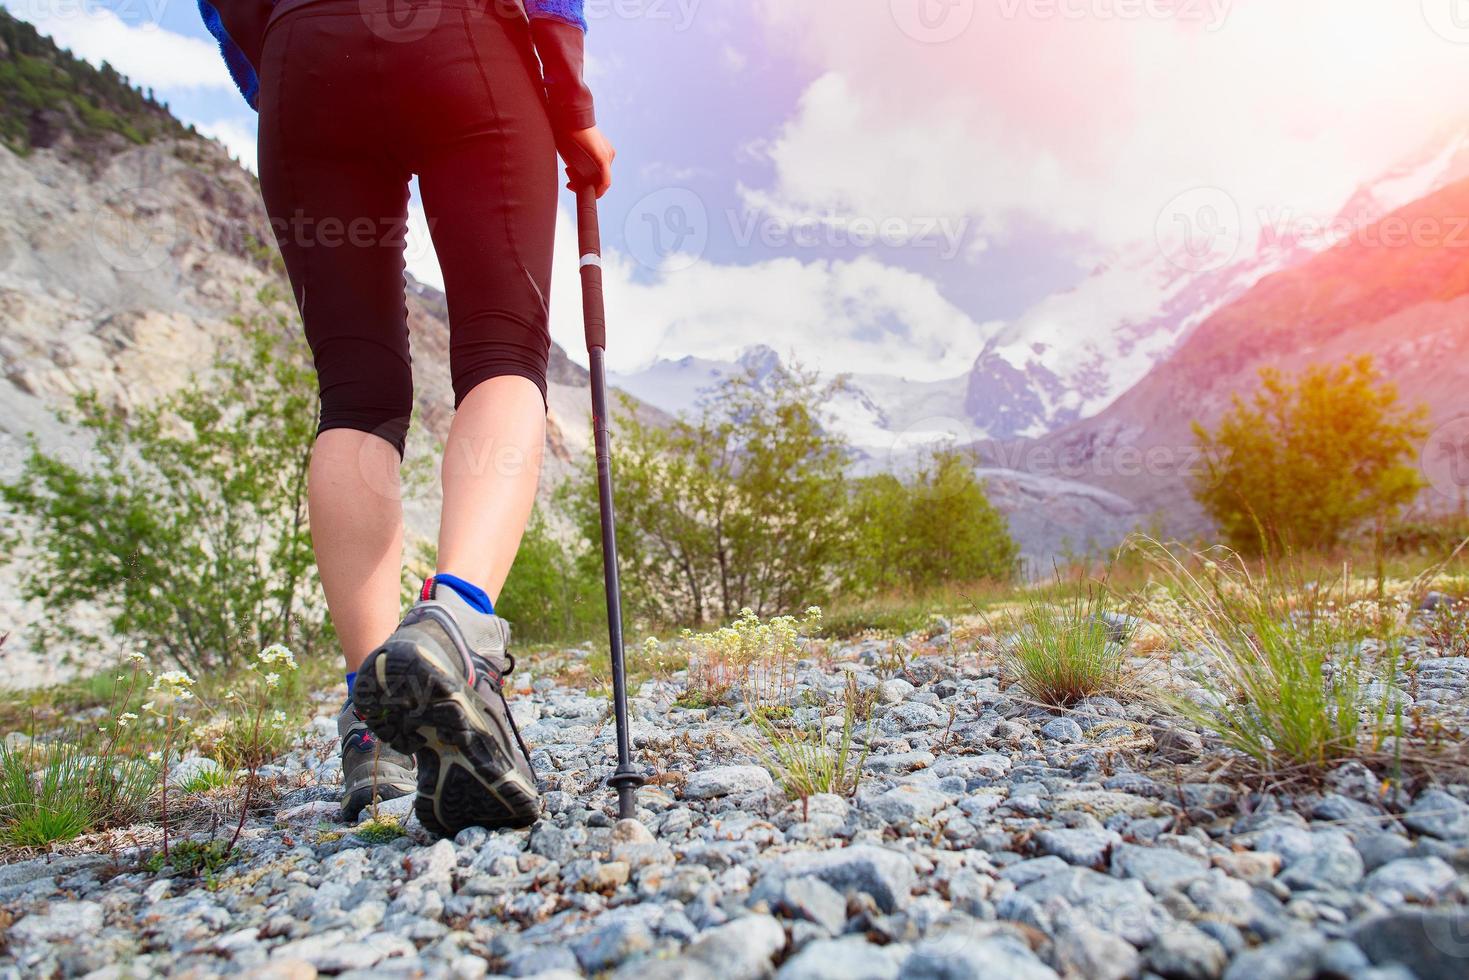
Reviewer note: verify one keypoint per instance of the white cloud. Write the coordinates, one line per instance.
(148, 55)
(1093, 123)
(840, 316)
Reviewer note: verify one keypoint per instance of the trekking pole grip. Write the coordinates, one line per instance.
(589, 247)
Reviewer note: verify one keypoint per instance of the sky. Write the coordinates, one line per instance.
(884, 185)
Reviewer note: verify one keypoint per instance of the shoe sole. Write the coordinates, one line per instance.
(422, 707)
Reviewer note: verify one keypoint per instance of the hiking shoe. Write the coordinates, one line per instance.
(436, 689)
(371, 772)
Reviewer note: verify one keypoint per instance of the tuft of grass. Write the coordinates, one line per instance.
(208, 780)
(698, 699)
(64, 793)
(1296, 664)
(803, 760)
(1061, 652)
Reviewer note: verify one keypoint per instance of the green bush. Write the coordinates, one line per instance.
(188, 523)
(554, 592)
(1308, 461)
(740, 507)
(938, 527)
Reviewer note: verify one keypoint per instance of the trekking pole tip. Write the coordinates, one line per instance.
(626, 781)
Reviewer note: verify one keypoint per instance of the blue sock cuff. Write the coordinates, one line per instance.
(472, 594)
(351, 683)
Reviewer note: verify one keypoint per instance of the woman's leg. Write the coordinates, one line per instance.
(357, 531)
(492, 462)
(338, 204)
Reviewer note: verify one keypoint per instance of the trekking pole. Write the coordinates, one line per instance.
(627, 778)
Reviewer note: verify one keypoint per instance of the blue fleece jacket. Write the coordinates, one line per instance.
(567, 11)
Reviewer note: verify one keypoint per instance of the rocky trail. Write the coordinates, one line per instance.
(987, 838)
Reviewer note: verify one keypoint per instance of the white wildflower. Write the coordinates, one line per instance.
(277, 655)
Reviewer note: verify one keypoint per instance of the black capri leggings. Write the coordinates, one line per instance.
(357, 95)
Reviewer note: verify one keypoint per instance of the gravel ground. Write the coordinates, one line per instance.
(987, 839)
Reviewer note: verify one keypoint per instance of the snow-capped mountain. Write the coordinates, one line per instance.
(1076, 352)
(883, 416)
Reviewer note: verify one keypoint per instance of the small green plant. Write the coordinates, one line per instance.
(267, 727)
(1447, 628)
(1285, 660)
(751, 656)
(695, 699)
(168, 692)
(381, 829)
(893, 660)
(1061, 653)
(192, 859)
(803, 759)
